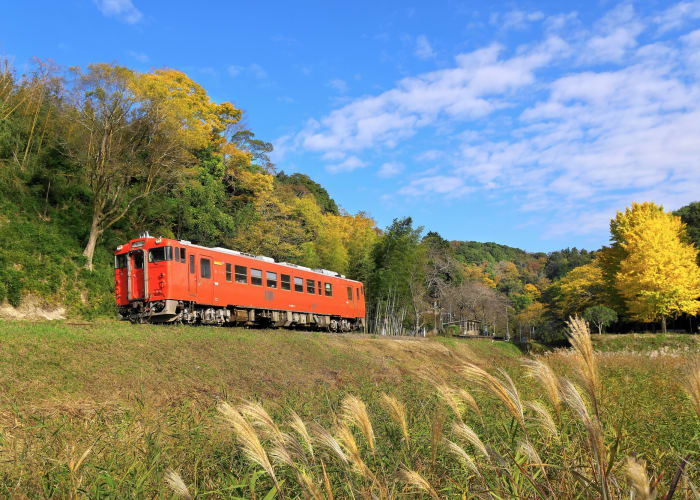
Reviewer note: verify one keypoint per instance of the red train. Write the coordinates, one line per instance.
(161, 280)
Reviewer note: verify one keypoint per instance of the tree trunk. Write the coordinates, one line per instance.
(663, 324)
(600, 328)
(95, 232)
(436, 328)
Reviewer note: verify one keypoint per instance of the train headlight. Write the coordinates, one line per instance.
(120, 247)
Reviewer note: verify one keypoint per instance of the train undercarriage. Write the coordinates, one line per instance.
(184, 312)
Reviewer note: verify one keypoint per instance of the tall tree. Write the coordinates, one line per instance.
(582, 287)
(135, 135)
(600, 316)
(398, 262)
(690, 215)
(659, 276)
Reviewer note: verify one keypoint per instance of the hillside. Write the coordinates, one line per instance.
(203, 176)
(142, 400)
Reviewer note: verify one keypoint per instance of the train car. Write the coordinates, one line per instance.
(161, 280)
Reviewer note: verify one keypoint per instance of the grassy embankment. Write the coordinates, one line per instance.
(143, 399)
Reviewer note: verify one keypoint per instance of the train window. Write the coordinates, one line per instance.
(228, 272)
(205, 268)
(350, 294)
(241, 274)
(358, 293)
(329, 290)
(271, 279)
(160, 254)
(310, 286)
(120, 261)
(182, 255)
(298, 285)
(285, 282)
(177, 254)
(320, 288)
(255, 277)
(138, 260)
(192, 264)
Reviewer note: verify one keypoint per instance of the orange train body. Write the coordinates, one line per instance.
(162, 280)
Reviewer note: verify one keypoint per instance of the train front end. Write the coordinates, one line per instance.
(141, 279)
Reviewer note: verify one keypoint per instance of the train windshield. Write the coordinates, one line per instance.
(120, 261)
(160, 254)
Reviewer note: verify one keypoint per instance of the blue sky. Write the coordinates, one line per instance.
(524, 123)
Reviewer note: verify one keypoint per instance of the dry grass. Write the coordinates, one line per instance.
(175, 482)
(692, 384)
(504, 390)
(543, 373)
(587, 372)
(355, 412)
(397, 411)
(637, 474)
(412, 478)
(320, 398)
(248, 438)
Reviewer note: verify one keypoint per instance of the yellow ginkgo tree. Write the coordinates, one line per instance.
(658, 276)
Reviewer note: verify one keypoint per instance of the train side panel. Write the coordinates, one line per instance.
(193, 280)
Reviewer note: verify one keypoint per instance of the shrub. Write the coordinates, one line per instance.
(13, 284)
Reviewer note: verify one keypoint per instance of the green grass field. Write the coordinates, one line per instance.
(143, 399)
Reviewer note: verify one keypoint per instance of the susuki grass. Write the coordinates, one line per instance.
(533, 457)
(112, 410)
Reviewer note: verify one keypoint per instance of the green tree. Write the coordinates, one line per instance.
(690, 215)
(398, 267)
(600, 316)
(302, 185)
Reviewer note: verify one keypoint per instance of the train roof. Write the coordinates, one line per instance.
(269, 260)
(262, 258)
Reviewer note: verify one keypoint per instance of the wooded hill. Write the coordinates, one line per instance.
(90, 157)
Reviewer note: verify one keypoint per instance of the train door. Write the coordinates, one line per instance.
(351, 302)
(205, 285)
(218, 279)
(121, 278)
(192, 275)
(137, 275)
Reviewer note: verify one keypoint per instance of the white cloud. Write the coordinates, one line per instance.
(139, 56)
(558, 22)
(678, 15)
(257, 71)
(348, 165)
(339, 85)
(423, 48)
(437, 185)
(574, 128)
(614, 35)
(460, 92)
(390, 169)
(254, 70)
(121, 9)
(515, 19)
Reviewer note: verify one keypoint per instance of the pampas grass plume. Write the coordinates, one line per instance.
(417, 481)
(175, 482)
(397, 411)
(355, 412)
